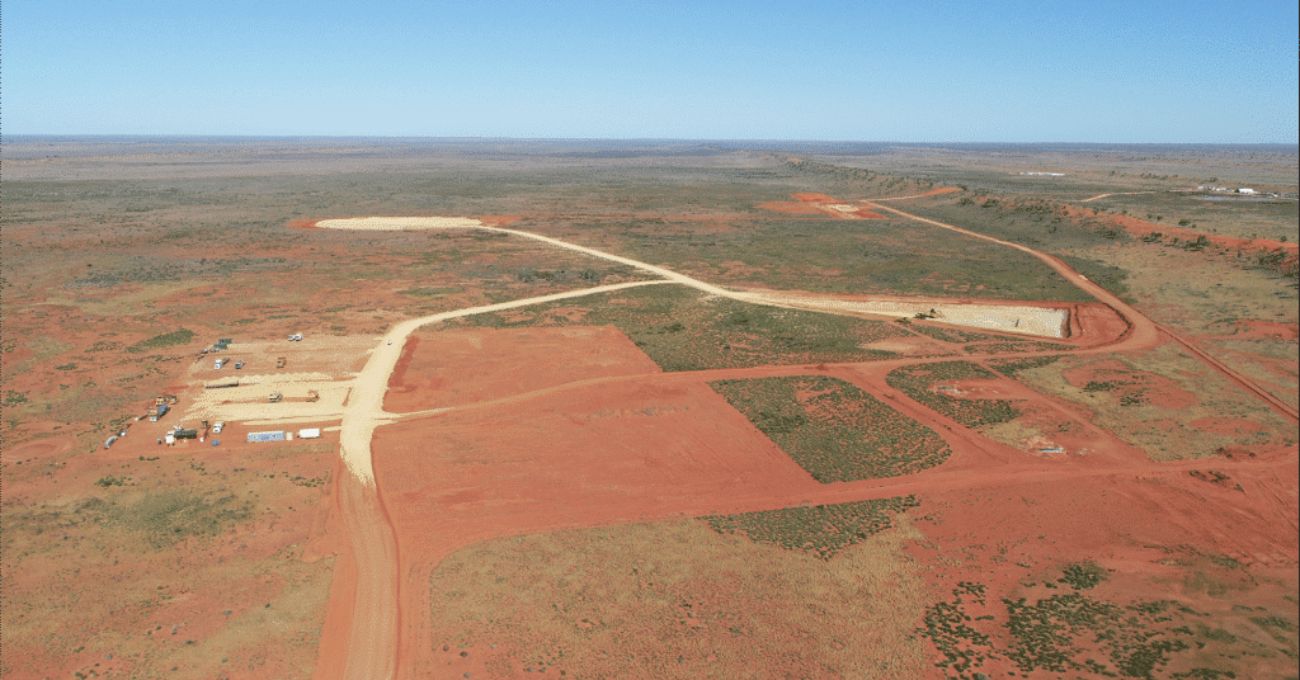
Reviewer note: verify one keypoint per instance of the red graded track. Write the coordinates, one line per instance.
(613, 445)
(1142, 326)
(665, 445)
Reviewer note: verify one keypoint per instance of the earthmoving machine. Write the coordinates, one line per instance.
(313, 395)
(279, 362)
(275, 397)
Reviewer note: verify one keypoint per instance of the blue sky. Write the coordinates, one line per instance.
(871, 71)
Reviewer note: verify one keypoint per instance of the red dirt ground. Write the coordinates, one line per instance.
(601, 455)
(1251, 329)
(463, 366)
(812, 197)
(790, 208)
(499, 220)
(1061, 424)
(665, 445)
(1238, 427)
(817, 204)
(1157, 389)
(1139, 228)
(1130, 524)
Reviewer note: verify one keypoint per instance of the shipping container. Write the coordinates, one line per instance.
(309, 433)
(276, 436)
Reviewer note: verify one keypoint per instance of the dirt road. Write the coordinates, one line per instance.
(1144, 329)
(365, 409)
(371, 641)
(1098, 197)
(372, 648)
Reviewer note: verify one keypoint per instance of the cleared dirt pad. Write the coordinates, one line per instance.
(582, 457)
(1051, 322)
(460, 366)
(618, 450)
(398, 223)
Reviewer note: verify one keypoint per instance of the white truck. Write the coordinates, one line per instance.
(218, 364)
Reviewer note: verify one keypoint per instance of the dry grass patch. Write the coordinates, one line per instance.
(1160, 400)
(678, 600)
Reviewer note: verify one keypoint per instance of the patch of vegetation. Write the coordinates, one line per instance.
(948, 627)
(1033, 222)
(1008, 346)
(148, 270)
(918, 382)
(111, 481)
(953, 335)
(1133, 398)
(1203, 674)
(823, 530)
(1101, 385)
(166, 517)
(683, 330)
(1083, 575)
(1010, 367)
(1055, 634)
(178, 337)
(104, 346)
(1045, 632)
(429, 292)
(13, 398)
(834, 430)
(1108, 276)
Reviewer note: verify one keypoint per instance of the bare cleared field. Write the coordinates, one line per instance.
(1172, 482)
(397, 223)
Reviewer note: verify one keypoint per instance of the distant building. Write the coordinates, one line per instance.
(1247, 191)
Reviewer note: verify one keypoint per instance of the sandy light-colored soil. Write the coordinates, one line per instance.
(1050, 322)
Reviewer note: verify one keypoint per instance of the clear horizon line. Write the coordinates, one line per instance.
(496, 138)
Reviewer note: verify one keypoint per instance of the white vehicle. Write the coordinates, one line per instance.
(218, 364)
(296, 337)
(218, 427)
